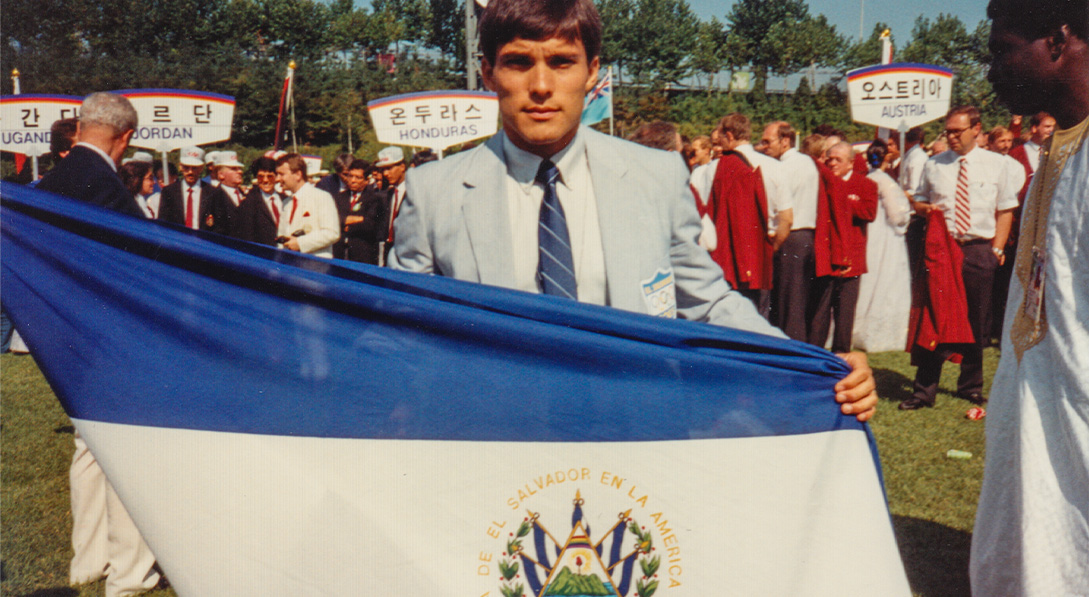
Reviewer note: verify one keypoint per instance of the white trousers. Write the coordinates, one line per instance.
(106, 541)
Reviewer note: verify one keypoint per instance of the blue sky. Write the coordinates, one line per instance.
(844, 14)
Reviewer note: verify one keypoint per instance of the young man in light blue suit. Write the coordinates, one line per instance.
(627, 224)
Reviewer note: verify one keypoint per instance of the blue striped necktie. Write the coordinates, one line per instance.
(556, 267)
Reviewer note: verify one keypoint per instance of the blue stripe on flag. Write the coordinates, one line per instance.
(145, 323)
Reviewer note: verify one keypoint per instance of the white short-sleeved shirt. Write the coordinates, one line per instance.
(989, 189)
(803, 185)
(911, 168)
(775, 185)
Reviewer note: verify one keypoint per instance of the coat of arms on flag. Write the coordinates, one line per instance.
(599, 101)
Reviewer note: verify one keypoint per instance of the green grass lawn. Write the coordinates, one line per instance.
(932, 498)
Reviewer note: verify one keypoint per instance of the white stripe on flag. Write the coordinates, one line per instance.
(240, 514)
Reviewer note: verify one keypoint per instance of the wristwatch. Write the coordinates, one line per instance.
(997, 252)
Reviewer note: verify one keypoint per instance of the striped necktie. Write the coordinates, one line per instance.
(963, 210)
(555, 267)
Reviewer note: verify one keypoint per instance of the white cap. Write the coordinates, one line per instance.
(142, 156)
(228, 159)
(389, 156)
(210, 158)
(192, 156)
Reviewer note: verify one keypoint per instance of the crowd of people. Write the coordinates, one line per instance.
(797, 237)
(831, 246)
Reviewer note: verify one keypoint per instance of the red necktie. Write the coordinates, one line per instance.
(275, 210)
(189, 210)
(238, 194)
(355, 199)
(963, 210)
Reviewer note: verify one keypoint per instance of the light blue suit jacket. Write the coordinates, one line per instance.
(454, 222)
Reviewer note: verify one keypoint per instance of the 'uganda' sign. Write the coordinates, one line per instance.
(899, 96)
(25, 120)
(175, 118)
(435, 119)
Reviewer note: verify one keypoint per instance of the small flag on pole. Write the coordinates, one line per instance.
(285, 104)
(599, 102)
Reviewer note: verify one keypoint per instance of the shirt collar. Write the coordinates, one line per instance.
(523, 166)
(105, 156)
(968, 157)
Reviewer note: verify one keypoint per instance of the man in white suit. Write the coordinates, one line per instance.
(552, 207)
(308, 220)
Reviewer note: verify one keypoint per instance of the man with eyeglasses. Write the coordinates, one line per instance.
(975, 190)
(362, 211)
(258, 217)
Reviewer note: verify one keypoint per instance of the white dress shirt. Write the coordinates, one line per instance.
(234, 193)
(989, 189)
(911, 168)
(575, 191)
(1032, 152)
(314, 212)
(196, 202)
(803, 185)
(775, 185)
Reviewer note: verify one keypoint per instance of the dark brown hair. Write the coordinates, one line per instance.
(505, 20)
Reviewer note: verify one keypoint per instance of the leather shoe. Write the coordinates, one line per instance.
(915, 404)
(974, 397)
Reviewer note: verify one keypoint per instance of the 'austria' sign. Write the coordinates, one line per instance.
(899, 96)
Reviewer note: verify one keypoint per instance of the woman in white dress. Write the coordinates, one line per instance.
(884, 294)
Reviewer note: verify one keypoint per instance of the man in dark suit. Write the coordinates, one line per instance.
(104, 538)
(89, 171)
(337, 182)
(362, 211)
(258, 215)
(192, 203)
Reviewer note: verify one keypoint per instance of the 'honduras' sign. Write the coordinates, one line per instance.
(435, 119)
(25, 120)
(899, 96)
(336, 428)
(175, 118)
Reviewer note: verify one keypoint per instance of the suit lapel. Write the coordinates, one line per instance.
(614, 193)
(486, 215)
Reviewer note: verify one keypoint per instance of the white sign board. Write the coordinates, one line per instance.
(175, 118)
(435, 119)
(25, 120)
(899, 96)
(313, 164)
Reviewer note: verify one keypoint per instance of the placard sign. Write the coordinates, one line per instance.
(175, 118)
(313, 164)
(25, 120)
(899, 96)
(435, 119)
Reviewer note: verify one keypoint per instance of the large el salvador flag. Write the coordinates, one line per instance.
(284, 425)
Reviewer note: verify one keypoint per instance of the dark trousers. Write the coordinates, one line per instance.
(836, 300)
(978, 271)
(795, 272)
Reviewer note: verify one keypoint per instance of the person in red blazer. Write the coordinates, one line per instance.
(739, 208)
(855, 197)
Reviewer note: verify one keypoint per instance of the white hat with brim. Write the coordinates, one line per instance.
(192, 156)
(389, 156)
(228, 159)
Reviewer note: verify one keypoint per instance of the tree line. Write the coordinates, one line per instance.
(667, 57)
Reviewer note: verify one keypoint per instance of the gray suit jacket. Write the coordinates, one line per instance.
(454, 222)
